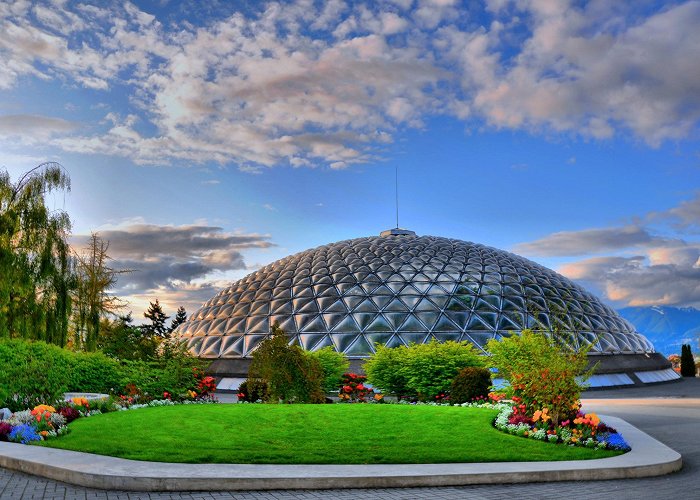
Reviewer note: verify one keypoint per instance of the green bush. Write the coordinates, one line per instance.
(542, 371)
(687, 361)
(422, 370)
(32, 373)
(291, 376)
(95, 372)
(333, 364)
(252, 390)
(470, 383)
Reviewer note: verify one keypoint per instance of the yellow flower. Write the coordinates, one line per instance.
(43, 408)
(537, 416)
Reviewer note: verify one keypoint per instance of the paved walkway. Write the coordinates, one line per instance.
(672, 416)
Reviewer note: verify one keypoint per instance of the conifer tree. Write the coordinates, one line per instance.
(687, 361)
(157, 327)
(180, 318)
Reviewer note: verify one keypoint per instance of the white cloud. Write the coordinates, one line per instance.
(327, 83)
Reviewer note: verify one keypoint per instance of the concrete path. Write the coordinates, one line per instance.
(682, 411)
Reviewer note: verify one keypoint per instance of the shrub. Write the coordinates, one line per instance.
(252, 390)
(542, 373)
(470, 383)
(386, 370)
(32, 373)
(424, 370)
(5, 429)
(333, 364)
(687, 361)
(95, 372)
(291, 376)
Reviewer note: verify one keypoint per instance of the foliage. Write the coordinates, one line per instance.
(94, 372)
(687, 361)
(309, 434)
(333, 364)
(252, 390)
(156, 328)
(353, 389)
(423, 370)
(123, 340)
(470, 383)
(35, 263)
(291, 376)
(542, 372)
(180, 318)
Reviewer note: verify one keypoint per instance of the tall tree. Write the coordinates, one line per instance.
(180, 318)
(93, 301)
(35, 262)
(156, 328)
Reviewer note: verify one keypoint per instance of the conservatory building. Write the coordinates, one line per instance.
(400, 288)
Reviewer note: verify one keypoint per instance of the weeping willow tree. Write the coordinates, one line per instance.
(36, 275)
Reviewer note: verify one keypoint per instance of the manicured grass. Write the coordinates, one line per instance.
(306, 434)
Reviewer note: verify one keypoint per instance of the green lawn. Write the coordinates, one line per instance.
(307, 434)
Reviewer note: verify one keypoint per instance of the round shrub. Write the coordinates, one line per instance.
(95, 372)
(470, 383)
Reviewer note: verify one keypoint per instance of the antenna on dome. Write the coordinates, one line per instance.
(397, 196)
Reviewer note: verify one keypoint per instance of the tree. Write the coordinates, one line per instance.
(291, 376)
(180, 318)
(91, 296)
(687, 361)
(123, 340)
(158, 318)
(35, 263)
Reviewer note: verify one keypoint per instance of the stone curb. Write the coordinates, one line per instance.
(648, 458)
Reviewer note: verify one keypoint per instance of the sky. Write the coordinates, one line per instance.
(207, 139)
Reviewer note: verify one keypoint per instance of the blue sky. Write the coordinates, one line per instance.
(206, 141)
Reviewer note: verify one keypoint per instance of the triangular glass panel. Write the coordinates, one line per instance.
(342, 340)
(412, 324)
(440, 301)
(396, 306)
(336, 306)
(351, 301)
(381, 300)
(379, 324)
(309, 340)
(395, 319)
(456, 305)
(325, 302)
(257, 324)
(459, 318)
(375, 338)
(366, 306)
(369, 287)
(421, 277)
(444, 325)
(217, 327)
(210, 347)
(485, 306)
(315, 325)
(331, 291)
(479, 339)
(395, 286)
(194, 344)
(412, 337)
(306, 306)
(488, 318)
(282, 293)
(332, 319)
(280, 307)
(475, 323)
(410, 300)
(347, 325)
(412, 290)
(504, 323)
(232, 346)
(363, 319)
(359, 348)
(302, 291)
(294, 340)
(429, 318)
(426, 305)
(382, 290)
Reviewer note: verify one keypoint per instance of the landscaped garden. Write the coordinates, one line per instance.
(322, 434)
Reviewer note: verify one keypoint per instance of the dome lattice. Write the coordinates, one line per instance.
(397, 289)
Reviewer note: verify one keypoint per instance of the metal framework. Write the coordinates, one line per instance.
(399, 288)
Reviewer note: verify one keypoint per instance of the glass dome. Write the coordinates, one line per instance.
(399, 288)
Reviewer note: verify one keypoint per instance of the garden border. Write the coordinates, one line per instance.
(648, 458)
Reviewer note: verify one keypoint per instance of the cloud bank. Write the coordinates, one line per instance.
(307, 83)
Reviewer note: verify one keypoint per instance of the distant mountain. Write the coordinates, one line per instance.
(666, 327)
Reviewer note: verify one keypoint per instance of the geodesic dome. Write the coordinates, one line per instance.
(398, 288)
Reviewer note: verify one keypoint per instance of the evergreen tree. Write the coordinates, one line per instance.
(35, 264)
(687, 361)
(180, 318)
(157, 327)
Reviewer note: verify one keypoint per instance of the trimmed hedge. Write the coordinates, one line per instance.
(33, 373)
